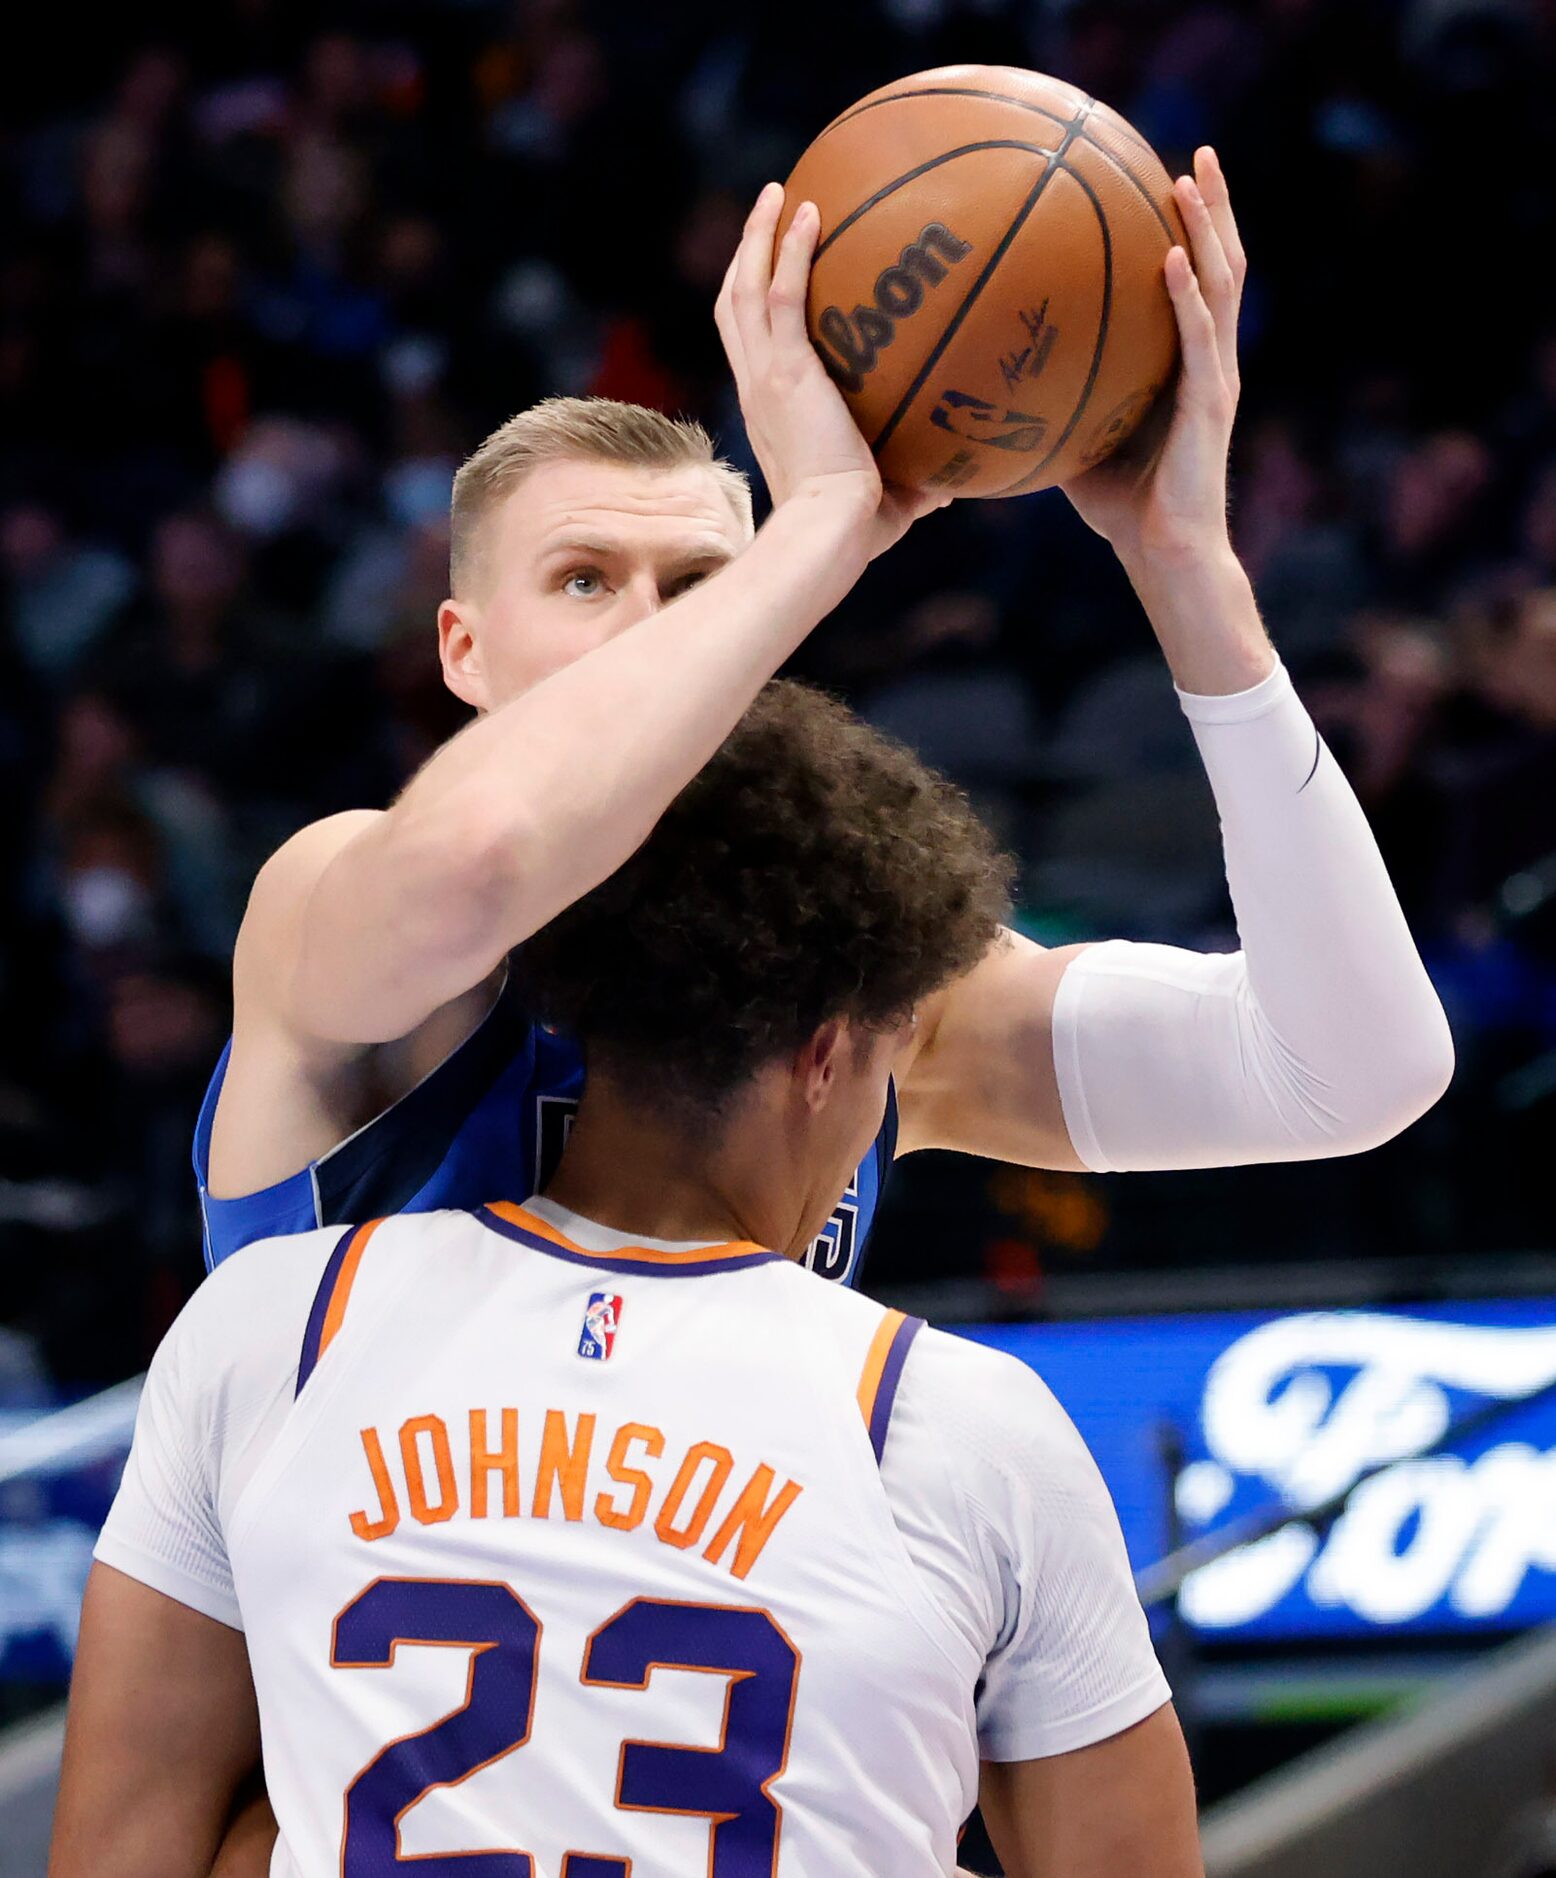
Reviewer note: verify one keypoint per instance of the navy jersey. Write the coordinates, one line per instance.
(487, 1124)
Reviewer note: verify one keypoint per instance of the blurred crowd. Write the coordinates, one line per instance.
(268, 270)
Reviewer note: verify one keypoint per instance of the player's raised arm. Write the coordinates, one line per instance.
(363, 926)
(1323, 1034)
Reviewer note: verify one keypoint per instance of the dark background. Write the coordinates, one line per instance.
(268, 271)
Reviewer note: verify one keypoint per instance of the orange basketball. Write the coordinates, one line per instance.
(987, 288)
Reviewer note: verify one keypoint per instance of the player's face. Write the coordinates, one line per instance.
(578, 553)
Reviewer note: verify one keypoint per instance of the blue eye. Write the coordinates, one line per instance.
(592, 583)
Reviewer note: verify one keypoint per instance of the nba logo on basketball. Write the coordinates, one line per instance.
(598, 1337)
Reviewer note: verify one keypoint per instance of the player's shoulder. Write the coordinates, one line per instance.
(238, 1336)
(992, 1415)
(267, 1284)
(972, 1404)
(257, 1302)
(842, 1319)
(302, 855)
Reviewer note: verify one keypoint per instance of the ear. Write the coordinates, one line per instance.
(459, 652)
(817, 1064)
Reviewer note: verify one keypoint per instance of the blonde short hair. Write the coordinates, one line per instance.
(593, 430)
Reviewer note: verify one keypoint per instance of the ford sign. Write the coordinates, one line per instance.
(1446, 1415)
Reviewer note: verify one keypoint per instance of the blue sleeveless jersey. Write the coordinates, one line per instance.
(488, 1123)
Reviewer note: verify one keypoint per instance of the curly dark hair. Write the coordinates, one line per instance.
(814, 870)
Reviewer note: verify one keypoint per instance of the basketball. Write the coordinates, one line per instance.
(987, 289)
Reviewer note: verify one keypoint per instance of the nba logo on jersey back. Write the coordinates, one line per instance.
(598, 1337)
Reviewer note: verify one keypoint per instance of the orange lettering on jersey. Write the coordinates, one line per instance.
(388, 1506)
(442, 1459)
(608, 1511)
(691, 1532)
(753, 1519)
(503, 1460)
(563, 1462)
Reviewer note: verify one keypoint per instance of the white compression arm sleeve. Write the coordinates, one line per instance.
(1322, 1036)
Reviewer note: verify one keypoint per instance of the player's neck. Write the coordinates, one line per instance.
(635, 1170)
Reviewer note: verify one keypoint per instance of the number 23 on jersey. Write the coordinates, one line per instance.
(728, 1784)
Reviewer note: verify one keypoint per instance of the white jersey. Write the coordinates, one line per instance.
(593, 1556)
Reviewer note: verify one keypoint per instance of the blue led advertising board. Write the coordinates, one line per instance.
(1286, 1409)
(1270, 1410)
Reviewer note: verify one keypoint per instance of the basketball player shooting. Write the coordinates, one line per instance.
(611, 618)
(593, 1533)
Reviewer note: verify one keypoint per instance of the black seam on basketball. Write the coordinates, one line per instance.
(1037, 110)
(1054, 163)
(1128, 174)
(1131, 135)
(1103, 320)
(910, 176)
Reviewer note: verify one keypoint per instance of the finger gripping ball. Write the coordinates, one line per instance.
(987, 290)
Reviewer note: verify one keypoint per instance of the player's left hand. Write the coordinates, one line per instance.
(1162, 495)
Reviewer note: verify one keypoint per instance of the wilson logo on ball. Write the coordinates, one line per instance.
(854, 343)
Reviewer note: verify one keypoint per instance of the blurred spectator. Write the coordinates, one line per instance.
(1501, 764)
(1434, 521)
(268, 276)
(62, 595)
(100, 769)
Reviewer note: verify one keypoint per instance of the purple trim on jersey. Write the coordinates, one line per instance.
(604, 1262)
(891, 1375)
(309, 1359)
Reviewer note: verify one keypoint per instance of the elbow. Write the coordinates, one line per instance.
(1408, 1074)
(1422, 1063)
(1435, 1069)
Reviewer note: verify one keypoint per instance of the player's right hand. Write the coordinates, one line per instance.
(802, 432)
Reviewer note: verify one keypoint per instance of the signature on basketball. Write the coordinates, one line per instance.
(1028, 361)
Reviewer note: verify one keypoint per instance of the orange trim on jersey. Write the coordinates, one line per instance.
(875, 1362)
(636, 1254)
(345, 1278)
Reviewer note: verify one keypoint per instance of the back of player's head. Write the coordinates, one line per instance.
(589, 430)
(814, 870)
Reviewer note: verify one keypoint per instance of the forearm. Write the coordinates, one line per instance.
(539, 801)
(564, 782)
(1322, 1036)
(1202, 609)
